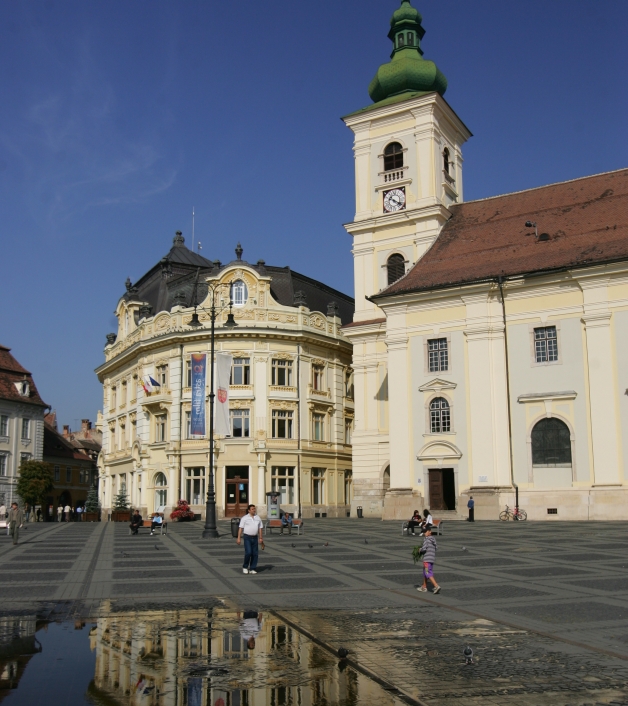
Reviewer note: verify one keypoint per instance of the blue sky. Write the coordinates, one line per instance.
(119, 117)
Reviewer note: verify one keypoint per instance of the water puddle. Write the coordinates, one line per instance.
(191, 657)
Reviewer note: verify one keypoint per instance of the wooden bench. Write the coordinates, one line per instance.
(146, 524)
(276, 524)
(437, 527)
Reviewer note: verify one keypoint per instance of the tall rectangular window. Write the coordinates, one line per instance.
(26, 428)
(318, 486)
(239, 422)
(133, 430)
(114, 398)
(545, 344)
(282, 424)
(162, 375)
(188, 425)
(241, 371)
(24, 458)
(318, 424)
(57, 473)
(3, 465)
(282, 483)
(317, 377)
(438, 355)
(160, 428)
(348, 431)
(282, 373)
(4, 425)
(195, 486)
(188, 373)
(68, 474)
(123, 392)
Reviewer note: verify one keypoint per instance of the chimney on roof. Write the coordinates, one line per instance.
(86, 425)
(66, 430)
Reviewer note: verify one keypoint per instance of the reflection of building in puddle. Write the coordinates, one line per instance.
(17, 645)
(201, 658)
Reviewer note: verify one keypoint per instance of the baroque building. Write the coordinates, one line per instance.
(21, 423)
(490, 337)
(291, 394)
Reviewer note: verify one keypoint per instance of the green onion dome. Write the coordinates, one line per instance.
(407, 71)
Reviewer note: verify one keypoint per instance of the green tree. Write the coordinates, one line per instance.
(35, 482)
(92, 504)
(121, 501)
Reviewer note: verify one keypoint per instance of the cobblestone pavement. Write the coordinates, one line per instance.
(543, 605)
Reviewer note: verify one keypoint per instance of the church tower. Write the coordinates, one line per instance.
(408, 170)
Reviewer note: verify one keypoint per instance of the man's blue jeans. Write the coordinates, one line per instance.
(250, 551)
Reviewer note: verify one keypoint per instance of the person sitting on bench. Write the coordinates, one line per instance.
(136, 521)
(156, 523)
(286, 521)
(427, 521)
(416, 520)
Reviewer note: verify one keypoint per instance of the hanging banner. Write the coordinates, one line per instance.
(199, 371)
(223, 374)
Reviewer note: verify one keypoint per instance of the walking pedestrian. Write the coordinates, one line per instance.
(16, 520)
(3, 515)
(38, 514)
(60, 513)
(79, 512)
(27, 512)
(250, 625)
(251, 526)
(471, 506)
(428, 552)
(67, 510)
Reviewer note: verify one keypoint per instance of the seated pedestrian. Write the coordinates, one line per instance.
(428, 553)
(427, 520)
(286, 521)
(156, 522)
(136, 522)
(414, 522)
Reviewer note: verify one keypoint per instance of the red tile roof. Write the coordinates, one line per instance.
(10, 373)
(586, 220)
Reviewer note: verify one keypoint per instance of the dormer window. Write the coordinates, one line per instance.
(23, 388)
(446, 160)
(393, 156)
(239, 293)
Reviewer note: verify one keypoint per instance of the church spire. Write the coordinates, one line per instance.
(407, 71)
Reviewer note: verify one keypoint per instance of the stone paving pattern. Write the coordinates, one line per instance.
(544, 605)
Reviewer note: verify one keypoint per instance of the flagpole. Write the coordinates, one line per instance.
(210, 530)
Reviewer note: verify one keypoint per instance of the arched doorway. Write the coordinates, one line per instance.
(551, 453)
(386, 480)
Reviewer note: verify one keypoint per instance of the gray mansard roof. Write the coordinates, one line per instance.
(171, 282)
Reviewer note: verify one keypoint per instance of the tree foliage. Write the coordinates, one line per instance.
(92, 504)
(35, 482)
(121, 501)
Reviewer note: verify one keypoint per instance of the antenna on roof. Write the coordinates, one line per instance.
(193, 241)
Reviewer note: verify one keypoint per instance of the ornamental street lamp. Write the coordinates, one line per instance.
(210, 530)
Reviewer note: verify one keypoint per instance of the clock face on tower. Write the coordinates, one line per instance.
(394, 200)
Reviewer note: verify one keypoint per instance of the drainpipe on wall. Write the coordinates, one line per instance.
(181, 424)
(299, 426)
(500, 281)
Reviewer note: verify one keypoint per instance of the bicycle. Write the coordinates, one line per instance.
(516, 514)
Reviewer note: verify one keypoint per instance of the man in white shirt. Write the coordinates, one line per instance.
(250, 625)
(250, 526)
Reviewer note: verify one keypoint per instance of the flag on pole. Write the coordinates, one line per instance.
(199, 371)
(223, 373)
(149, 384)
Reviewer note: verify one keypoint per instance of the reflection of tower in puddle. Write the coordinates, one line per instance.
(200, 657)
(17, 645)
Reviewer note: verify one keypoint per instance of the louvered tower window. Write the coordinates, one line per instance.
(396, 266)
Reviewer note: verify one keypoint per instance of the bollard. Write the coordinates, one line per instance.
(359, 509)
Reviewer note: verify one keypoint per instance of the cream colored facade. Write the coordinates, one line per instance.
(398, 455)
(144, 435)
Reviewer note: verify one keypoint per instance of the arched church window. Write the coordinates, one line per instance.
(239, 293)
(410, 39)
(393, 156)
(446, 160)
(400, 40)
(396, 267)
(551, 443)
(440, 415)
